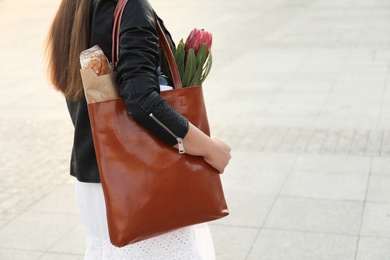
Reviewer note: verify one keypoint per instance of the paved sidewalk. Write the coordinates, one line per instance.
(300, 89)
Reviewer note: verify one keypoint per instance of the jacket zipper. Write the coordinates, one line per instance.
(179, 140)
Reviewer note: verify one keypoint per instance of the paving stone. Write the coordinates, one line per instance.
(49, 204)
(303, 141)
(327, 185)
(371, 248)
(15, 254)
(317, 141)
(331, 141)
(380, 166)
(345, 141)
(73, 244)
(231, 242)
(50, 256)
(359, 142)
(290, 245)
(249, 204)
(309, 141)
(376, 220)
(374, 143)
(386, 144)
(378, 189)
(333, 164)
(275, 140)
(36, 231)
(290, 139)
(35, 164)
(311, 215)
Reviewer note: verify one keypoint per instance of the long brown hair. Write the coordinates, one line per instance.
(67, 38)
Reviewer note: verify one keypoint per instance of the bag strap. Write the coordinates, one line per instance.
(163, 41)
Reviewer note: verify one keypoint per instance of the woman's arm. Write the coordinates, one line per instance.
(137, 74)
(214, 151)
(138, 85)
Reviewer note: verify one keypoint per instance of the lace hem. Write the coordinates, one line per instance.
(177, 245)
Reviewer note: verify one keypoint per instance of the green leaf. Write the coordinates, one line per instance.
(197, 76)
(207, 68)
(190, 68)
(179, 58)
(201, 55)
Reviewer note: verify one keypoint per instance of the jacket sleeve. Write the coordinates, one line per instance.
(137, 74)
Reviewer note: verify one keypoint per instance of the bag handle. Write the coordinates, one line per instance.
(163, 41)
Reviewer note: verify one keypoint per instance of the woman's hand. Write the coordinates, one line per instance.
(219, 156)
(213, 150)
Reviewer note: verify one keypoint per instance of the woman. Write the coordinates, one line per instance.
(78, 25)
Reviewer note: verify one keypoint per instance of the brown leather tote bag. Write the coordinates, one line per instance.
(150, 188)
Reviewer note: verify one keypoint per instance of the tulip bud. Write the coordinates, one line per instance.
(196, 38)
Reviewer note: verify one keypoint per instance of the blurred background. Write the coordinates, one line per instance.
(299, 88)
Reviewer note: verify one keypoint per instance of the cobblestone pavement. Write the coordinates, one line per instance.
(309, 141)
(34, 162)
(300, 89)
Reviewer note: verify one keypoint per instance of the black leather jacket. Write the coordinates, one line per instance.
(137, 79)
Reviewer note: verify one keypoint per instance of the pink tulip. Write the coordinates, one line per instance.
(196, 38)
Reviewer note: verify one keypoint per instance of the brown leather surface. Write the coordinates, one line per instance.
(149, 187)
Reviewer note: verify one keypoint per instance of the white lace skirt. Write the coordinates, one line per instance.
(190, 243)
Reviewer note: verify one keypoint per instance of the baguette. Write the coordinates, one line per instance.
(94, 59)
